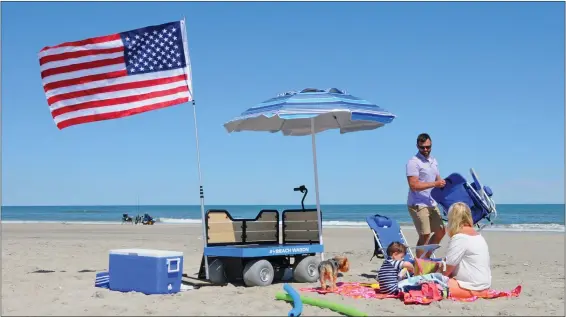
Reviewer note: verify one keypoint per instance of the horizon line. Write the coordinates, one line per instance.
(278, 204)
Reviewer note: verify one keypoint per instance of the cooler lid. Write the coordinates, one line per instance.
(147, 252)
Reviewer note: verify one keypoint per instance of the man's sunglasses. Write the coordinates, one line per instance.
(423, 147)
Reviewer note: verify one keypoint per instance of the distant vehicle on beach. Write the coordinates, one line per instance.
(126, 219)
(146, 219)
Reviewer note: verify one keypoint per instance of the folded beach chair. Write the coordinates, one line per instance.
(386, 230)
(476, 196)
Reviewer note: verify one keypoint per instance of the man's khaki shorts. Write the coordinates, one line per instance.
(426, 219)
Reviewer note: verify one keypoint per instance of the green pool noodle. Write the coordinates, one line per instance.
(345, 310)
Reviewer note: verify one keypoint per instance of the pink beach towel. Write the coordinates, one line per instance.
(491, 294)
(354, 290)
(362, 290)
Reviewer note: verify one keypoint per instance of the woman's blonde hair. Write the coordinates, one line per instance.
(459, 215)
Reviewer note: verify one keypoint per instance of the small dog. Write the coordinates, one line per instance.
(328, 271)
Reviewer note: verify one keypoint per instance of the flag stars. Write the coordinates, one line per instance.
(143, 47)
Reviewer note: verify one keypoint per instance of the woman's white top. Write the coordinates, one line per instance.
(470, 256)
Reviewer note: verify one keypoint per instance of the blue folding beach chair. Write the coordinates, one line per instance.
(386, 230)
(476, 196)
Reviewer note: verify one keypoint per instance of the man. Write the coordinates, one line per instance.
(423, 176)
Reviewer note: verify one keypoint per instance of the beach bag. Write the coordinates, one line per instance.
(429, 292)
(423, 266)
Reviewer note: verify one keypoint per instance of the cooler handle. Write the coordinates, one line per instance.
(173, 261)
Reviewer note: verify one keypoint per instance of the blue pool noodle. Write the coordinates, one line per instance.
(297, 303)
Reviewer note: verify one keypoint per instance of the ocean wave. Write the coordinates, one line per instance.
(62, 222)
(525, 227)
(84, 211)
(546, 227)
(177, 220)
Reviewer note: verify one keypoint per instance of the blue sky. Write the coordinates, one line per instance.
(486, 80)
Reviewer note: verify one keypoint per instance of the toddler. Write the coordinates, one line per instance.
(388, 275)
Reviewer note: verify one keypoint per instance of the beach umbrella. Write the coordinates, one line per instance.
(307, 112)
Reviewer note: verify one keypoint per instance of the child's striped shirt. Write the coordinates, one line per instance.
(388, 276)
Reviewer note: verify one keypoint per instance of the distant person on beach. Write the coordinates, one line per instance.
(423, 176)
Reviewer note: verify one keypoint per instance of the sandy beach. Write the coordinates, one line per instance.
(49, 269)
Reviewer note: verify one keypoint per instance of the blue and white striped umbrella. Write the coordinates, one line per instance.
(292, 114)
(308, 112)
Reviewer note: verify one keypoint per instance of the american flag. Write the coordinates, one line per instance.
(117, 75)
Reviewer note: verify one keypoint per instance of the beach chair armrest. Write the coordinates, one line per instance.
(428, 247)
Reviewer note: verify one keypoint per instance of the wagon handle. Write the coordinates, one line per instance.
(303, 190)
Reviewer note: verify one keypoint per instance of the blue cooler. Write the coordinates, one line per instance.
(145, 271)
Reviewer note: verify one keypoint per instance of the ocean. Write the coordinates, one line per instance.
(547, 217)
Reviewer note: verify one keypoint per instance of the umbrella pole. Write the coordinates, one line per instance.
(316, 186)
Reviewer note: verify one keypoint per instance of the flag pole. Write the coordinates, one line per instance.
(201, 190)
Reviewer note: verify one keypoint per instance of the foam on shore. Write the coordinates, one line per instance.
(526, 227)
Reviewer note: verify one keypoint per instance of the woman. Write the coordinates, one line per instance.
(467, 257)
